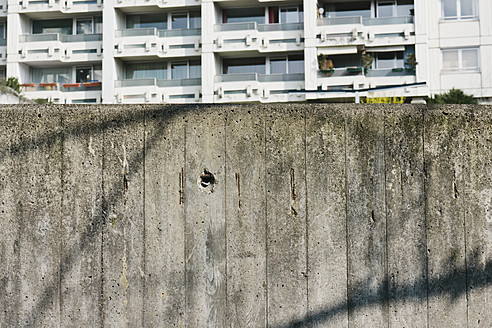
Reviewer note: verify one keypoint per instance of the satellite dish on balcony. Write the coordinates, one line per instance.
(321, 11)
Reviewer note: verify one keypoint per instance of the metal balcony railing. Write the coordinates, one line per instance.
(160, 33)
(259, 77)
(58, 37)
(157, 82)
(365, 21)
(387, 72)
(388, 21)
(259, 27)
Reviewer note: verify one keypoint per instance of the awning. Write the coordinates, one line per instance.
(337, 50)
(385, 49)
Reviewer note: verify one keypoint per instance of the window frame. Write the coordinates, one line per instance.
(458, 16)
(460, 68)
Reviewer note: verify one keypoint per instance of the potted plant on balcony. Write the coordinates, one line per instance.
(325, 65)
(411, 63)
(366, 61)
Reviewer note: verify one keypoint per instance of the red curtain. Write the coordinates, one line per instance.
(271, 15)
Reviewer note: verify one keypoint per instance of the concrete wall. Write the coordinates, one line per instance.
(319, 216)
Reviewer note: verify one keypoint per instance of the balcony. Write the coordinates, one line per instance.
(259, 37)
(156, 3)
(64, 93)
(259, 87)
(56, 47)
(356, 30)
(355, 78)
(152, 90)
(160, 43)
(64, 6)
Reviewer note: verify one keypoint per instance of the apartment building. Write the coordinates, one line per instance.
(204, 51)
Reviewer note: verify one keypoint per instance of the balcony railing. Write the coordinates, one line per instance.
(259, 77)
(338, 72)
(388, 20)
(58, 37)
(340, 20)
(160, 33)
(65, 87)
(157, 82)
(365, 21)
(390, 72)
(259, 27)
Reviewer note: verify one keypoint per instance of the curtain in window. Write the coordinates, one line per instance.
(52, 75)
(147, 70)
(179, 70)
(159, 21)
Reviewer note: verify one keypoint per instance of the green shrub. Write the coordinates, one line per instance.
(13, 83)
(453, 96)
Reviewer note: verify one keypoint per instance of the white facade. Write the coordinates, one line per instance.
(204, 51)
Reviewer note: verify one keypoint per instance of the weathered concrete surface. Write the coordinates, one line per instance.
(292, 215)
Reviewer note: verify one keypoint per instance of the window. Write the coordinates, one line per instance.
(459, 9)
(164, 70)
(185, 20)
(244, 65)
(291, 14)
(59, 26)
(146, 70)
(387, 60)
(52, 75)
(456, 60)
(159, 21)
(84, 26)
(244, 15)
(83, 74)
(344, 9)
(185, 70)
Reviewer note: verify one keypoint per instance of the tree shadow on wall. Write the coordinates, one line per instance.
(451, 284)
(94, 229)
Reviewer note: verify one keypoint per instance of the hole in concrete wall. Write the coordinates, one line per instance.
(206, 181)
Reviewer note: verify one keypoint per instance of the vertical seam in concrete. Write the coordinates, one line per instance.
(425, 211)
(61, 135)
(103, 225)
(225, 216)
(386, 267)
(266, 216)
(185, 310)
(346, 218)
(466, 257)
(144, 250)
(306, 212)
